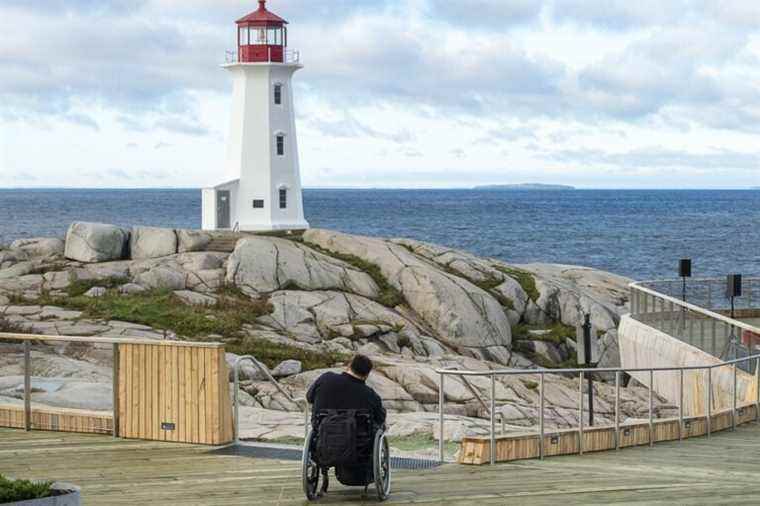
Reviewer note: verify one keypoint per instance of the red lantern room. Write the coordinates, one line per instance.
(262, 36)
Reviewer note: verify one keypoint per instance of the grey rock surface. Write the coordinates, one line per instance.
(95, 242)
(287, 368)
(463, 315)
(267, 264)
(40, 246)
(150, 242)
(192, 240)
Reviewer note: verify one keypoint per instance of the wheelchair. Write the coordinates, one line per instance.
(372, 456)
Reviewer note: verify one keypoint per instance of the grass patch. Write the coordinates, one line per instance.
(163, 310)
(525, 279)
(10, 327)
(389, 295)
(558, 333)
(404, 342)
(23, 490)
(411, 443)
(421, 441)
(271, 354)
(81, 286)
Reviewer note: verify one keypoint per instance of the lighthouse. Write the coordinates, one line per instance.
(262, 150)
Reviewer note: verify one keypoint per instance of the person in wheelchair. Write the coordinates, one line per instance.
(348, 432)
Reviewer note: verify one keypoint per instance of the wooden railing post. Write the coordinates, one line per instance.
(27, 385)
(115, 382)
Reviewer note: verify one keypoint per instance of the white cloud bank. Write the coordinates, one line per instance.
(599, 93)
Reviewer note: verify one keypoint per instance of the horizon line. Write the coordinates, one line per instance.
(483, 187)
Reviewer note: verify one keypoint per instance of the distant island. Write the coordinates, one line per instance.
(525, 186)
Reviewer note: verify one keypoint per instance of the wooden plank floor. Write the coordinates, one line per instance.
(722, 469)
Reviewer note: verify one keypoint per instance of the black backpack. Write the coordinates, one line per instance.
(337, 439)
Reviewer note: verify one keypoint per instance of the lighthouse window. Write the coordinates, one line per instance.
(244, 36)
(283, 198)
(258, 204)
(280, 145)
(278, 94)
(260, 34)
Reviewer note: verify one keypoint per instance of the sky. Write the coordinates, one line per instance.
(394, 93)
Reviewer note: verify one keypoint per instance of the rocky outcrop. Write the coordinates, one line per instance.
(148, 242)
(461, 314)
(413, 307)
(39, 246)
(265, 264)
(192, 240)
(95, 242)
(568, 292)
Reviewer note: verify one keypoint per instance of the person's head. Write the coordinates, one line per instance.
(360, 366)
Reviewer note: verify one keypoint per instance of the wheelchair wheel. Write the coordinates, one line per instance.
(311, 472)
(382, 466)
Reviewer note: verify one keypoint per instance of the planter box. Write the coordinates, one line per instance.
(68, 495)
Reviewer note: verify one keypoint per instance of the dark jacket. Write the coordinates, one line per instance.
(343, 391)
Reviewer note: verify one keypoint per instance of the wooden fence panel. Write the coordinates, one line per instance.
(174, 393)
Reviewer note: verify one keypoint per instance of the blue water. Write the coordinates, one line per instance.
(638, 233)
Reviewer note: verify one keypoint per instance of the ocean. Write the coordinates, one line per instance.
(636, 233)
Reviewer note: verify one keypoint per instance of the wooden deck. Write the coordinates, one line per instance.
(722, 469)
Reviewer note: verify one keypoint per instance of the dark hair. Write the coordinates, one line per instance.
(361, 365)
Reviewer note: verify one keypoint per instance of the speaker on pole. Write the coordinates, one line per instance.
(733, 286)
(684, 268)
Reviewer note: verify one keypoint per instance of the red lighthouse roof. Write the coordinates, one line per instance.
(262, 17)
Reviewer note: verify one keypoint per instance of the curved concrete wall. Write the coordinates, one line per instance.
(642, 346)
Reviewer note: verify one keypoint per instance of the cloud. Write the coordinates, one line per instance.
(493, 14)
(660, 158)
(347, 126)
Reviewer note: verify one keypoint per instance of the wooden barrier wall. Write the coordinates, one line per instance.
(174, 393)
(477, 450)
(57, 419)
(162, 390)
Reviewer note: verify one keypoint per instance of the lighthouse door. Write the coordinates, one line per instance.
(223, 209)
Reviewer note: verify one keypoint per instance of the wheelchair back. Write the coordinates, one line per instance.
(343, 437)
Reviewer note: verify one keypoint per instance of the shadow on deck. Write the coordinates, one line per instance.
(114, 471)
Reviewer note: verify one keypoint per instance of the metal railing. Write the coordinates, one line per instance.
(290, 56)
(701, 320)
(580, 373)
(300, 402)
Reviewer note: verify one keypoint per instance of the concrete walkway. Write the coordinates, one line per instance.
(722, 469)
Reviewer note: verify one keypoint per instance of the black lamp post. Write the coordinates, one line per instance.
(733, 290)
(586, 346)
(684, 271)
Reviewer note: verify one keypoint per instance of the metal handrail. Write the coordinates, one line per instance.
(691, 307)
(443, 372)
(288, 56)
(300, 402)
(477, 396)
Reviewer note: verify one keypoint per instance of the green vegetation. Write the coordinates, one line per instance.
(79, 287)
(421, 441)
(411, 443)
(404, 342)
(10, 327)
(525, 279)
(23, 490)
(272, 354)
(389, 295)
(163, 310)
(559, 333)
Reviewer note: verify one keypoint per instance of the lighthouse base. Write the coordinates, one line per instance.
(225, 208)
(272, 227)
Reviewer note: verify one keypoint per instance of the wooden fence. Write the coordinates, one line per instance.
(162, 391)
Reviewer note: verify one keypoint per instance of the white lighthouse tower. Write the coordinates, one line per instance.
(262, 149)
